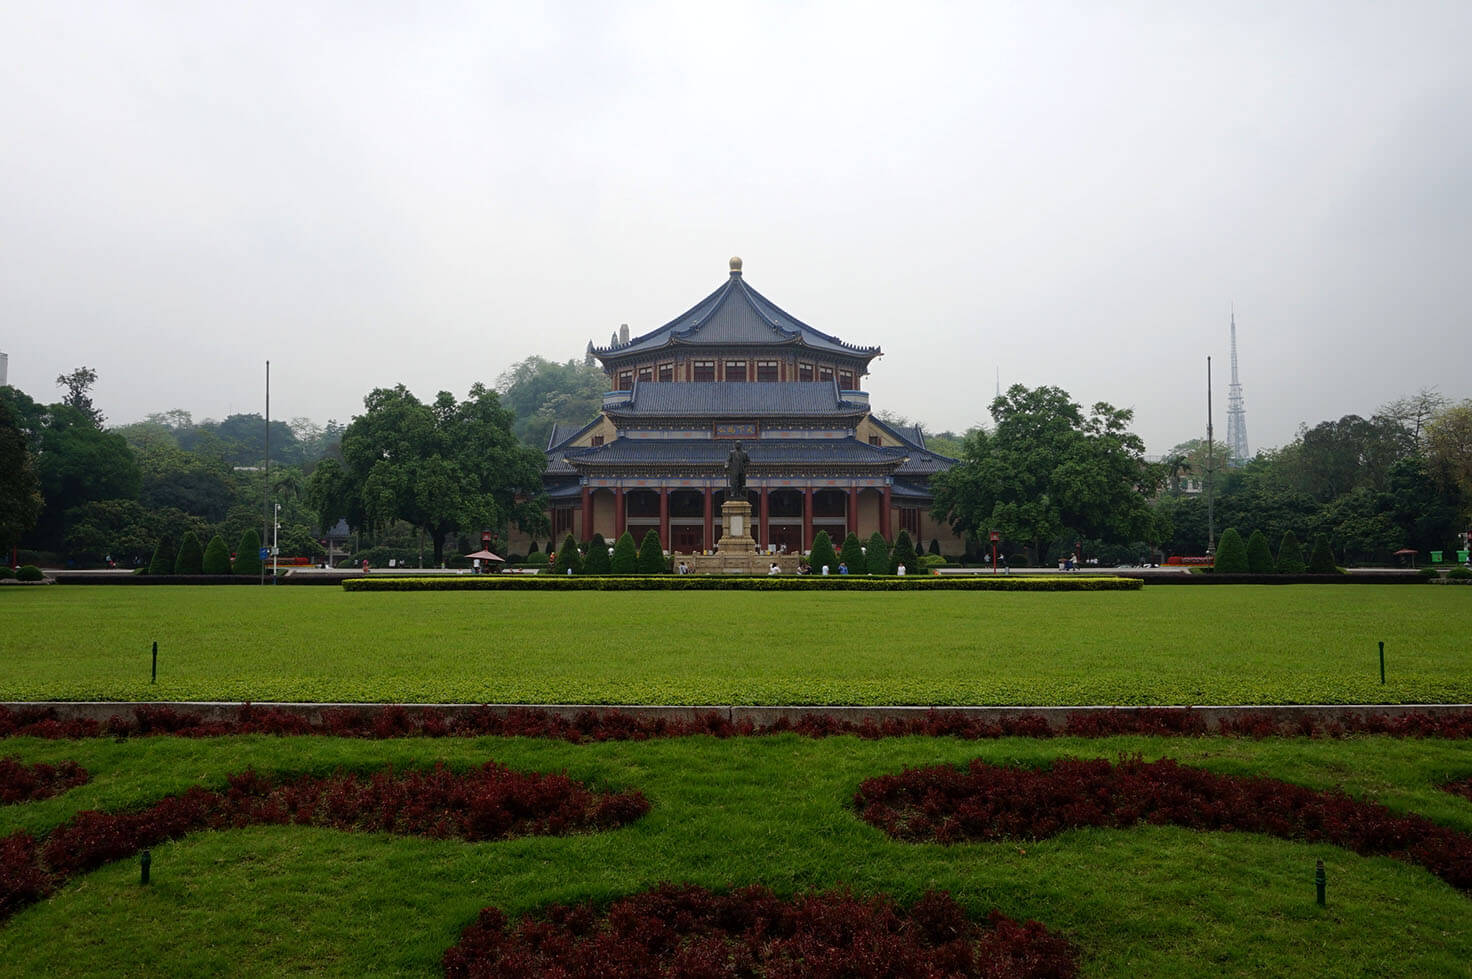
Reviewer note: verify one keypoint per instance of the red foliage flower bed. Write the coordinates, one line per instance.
(689, 931)
(991, 802)
(613, 725)
(487, 803)
(1461, 787)
(20, 782)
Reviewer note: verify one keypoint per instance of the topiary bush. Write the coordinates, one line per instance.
(29, 572)
(876, 556)
(1458, 573)
(1231, 553)
(216, 557)
(191, 556)
(934, 546)
(822, 553)
(537, 559)
(248, 554)
(1290, 555)
(1259, 554)
(625, 555)
(1017, 561)
(929, 561)
(1321, 558)
(163, 557)
(568, 559)
(596, 560)
(6, 571)
(651, 555)
(853, 554)
(904, 553)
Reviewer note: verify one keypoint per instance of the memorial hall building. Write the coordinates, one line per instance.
(737, 367)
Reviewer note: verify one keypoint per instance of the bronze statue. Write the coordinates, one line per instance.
(736, 464)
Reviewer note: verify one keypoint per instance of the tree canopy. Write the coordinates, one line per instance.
(442, 467)
(542, 394)
(1049, 468)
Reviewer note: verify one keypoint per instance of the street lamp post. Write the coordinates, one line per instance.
(275, 541)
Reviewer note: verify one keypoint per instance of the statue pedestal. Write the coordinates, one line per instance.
(736, 529)
(736, 551)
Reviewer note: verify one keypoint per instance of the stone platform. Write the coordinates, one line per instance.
(736, 551)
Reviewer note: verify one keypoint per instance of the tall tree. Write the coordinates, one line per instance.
(1449, 449)
(543, 394)
(1048, 467)
(20, 491)
(442, 467)
(78, 386)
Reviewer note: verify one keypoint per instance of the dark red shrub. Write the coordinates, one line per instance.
(486, 803)
(690, 931)
(20, 782)
(1461, 787)
(991, 802)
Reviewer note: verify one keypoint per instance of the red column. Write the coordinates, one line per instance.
(618, 512)
(664, 519)
(710, 541)
(853, 509)
(587, 513)
(766, 511)
(884, 514)
(807, 520)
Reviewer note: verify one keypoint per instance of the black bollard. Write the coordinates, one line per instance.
(146, 861)
(1319, 881)
(154, 678)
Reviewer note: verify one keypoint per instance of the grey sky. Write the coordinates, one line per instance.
(1074, 193)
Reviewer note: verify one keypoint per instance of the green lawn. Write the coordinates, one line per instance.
(1161, 645)
(1151, 901)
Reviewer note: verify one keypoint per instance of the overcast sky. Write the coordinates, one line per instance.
(1068, 193)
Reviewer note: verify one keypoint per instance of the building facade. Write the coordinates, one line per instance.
(737, 368)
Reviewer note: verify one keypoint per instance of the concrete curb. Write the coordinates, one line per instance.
(760, 717)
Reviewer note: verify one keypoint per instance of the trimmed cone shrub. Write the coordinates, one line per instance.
(1259, 554)
(904, 553)
(1321, 559)
(568, 559)
(1290, 555)
(163, 557)
(822, 554)
(853, 554)
(191, 556)
(877, 555)
(625, 555)
(596, 561)
(934, 546)
(534, 547)
(1231, 553)
(248, 554)
(216, 557)
(651, 555)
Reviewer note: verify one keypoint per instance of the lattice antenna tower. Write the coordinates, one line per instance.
(1236, 408)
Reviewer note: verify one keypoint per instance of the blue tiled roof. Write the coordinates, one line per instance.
(713, 452)
(735, 314)
(734, 398)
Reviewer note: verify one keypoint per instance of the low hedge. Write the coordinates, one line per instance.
(1208, 577)
(29, 572)
(743, 583)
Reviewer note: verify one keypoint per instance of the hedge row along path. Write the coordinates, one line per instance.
(807, 583)
(690, 931)
(20, 782)
(486, 803)
(582, 723)
(993, 802)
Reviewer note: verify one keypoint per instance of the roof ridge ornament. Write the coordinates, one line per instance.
(735, 265)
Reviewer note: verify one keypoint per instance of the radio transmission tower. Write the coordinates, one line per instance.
(1236, 409)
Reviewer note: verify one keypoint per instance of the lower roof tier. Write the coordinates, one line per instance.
(713, 453)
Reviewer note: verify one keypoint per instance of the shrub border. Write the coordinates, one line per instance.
(591, 722)
(743, 583)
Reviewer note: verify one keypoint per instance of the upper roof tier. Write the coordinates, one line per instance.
(735, 315)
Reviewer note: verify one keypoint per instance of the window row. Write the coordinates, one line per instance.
(735, 370)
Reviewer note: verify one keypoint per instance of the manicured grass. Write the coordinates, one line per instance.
(770, 810)
(1239, 644)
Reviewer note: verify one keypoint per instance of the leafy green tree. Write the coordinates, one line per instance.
(568, 559)
(1048, 468)
(822, 555)
(1231, 553)
(1335, 457)
(125, 530)
(442, 467)
(20, 492)
(651, 554)
(164, 556)
(904, 553)
(543, 394)
(625, 555)
(191, 556)
(1290, 555)
(1449, 450)
(248, 554)
(78, 397)
(1259, 554)
(78, 463)
(853, 554)
(216, 557)
(1321, 558)
(876, 555)
(597, 561)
